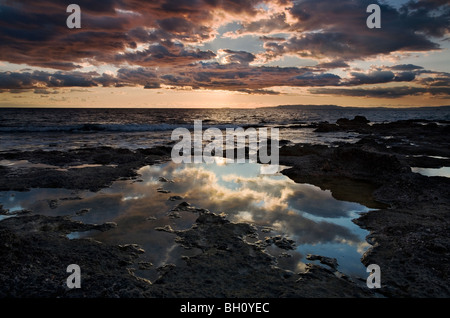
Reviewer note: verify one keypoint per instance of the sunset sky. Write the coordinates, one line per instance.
(224, 53)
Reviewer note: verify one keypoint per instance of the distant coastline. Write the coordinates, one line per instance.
(330, 107)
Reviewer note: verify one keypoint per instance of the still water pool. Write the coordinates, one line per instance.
(274, 204)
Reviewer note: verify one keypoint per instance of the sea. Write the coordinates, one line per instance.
(132, 128)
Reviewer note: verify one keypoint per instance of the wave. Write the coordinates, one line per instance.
(96, 128)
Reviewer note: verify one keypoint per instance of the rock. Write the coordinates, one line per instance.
(185, 206)
(266, 229)
(132, 248)
(70, 198)
(34, 262)
(83, 211)
(327, 127)
(356, 121)
(281, 242)
(105, 226)
(330, 261)
(115, 164)
(211, 218)
(53, 204)
(166, 228)
(175, 198)
(145, 265)
(3, 211)
(411, 219)
(174, 215)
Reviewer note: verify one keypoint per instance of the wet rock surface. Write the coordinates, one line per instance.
(36, 252)
(408, 230)
(330, 261)
(112, 164)
(230, 267)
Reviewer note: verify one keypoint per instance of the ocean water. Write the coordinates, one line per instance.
(62, 129)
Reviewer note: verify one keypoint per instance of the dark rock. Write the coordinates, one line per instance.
(281, 242)
(174, 215)
(132, 248)
(53, 204)
(165, 228)
(125, 162)
(34, 262)
(83, 211)
(145, 265)
(175, 198)
(409, 231)
(356, 121)
(326, 127)
(330, 261)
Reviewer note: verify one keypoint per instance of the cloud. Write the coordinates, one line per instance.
(163, 42)
(338, 29)
(405, 67)
(274, 24)
(379, 76)
(159, 55)
(35, 33)
(333, 64)
(240, 57)
(239, 76)
(259, 92)
(384, 92)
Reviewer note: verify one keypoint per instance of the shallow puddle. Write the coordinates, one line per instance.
(276, 205)
(433, 172)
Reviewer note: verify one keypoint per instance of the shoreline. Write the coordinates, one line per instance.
(408, 231)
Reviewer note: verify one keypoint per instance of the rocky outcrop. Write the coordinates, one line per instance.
(409, 231)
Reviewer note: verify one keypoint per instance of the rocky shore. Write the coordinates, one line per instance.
(408, 227)
(409, 231)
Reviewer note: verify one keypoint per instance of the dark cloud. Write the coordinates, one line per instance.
(275, 23)
(156, 43)
(379, 76)
(313, 79)
(259, 91)
(434, 79)
(385, 92)
(238, 77)
(152, 85)
(240, 57)
(159, 55)
(35, 33)
(405, 67)
(333, 64)
(43, 91)
(338, 29)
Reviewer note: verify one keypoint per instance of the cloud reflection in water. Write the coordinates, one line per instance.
(317, 222)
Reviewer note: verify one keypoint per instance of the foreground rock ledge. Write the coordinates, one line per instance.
(36, 252)
(409, 231)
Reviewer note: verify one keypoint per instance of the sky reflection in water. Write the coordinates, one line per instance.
(317, 222)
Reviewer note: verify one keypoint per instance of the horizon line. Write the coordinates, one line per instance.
(232, 107)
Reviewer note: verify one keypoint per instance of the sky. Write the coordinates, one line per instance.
(224, 53)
